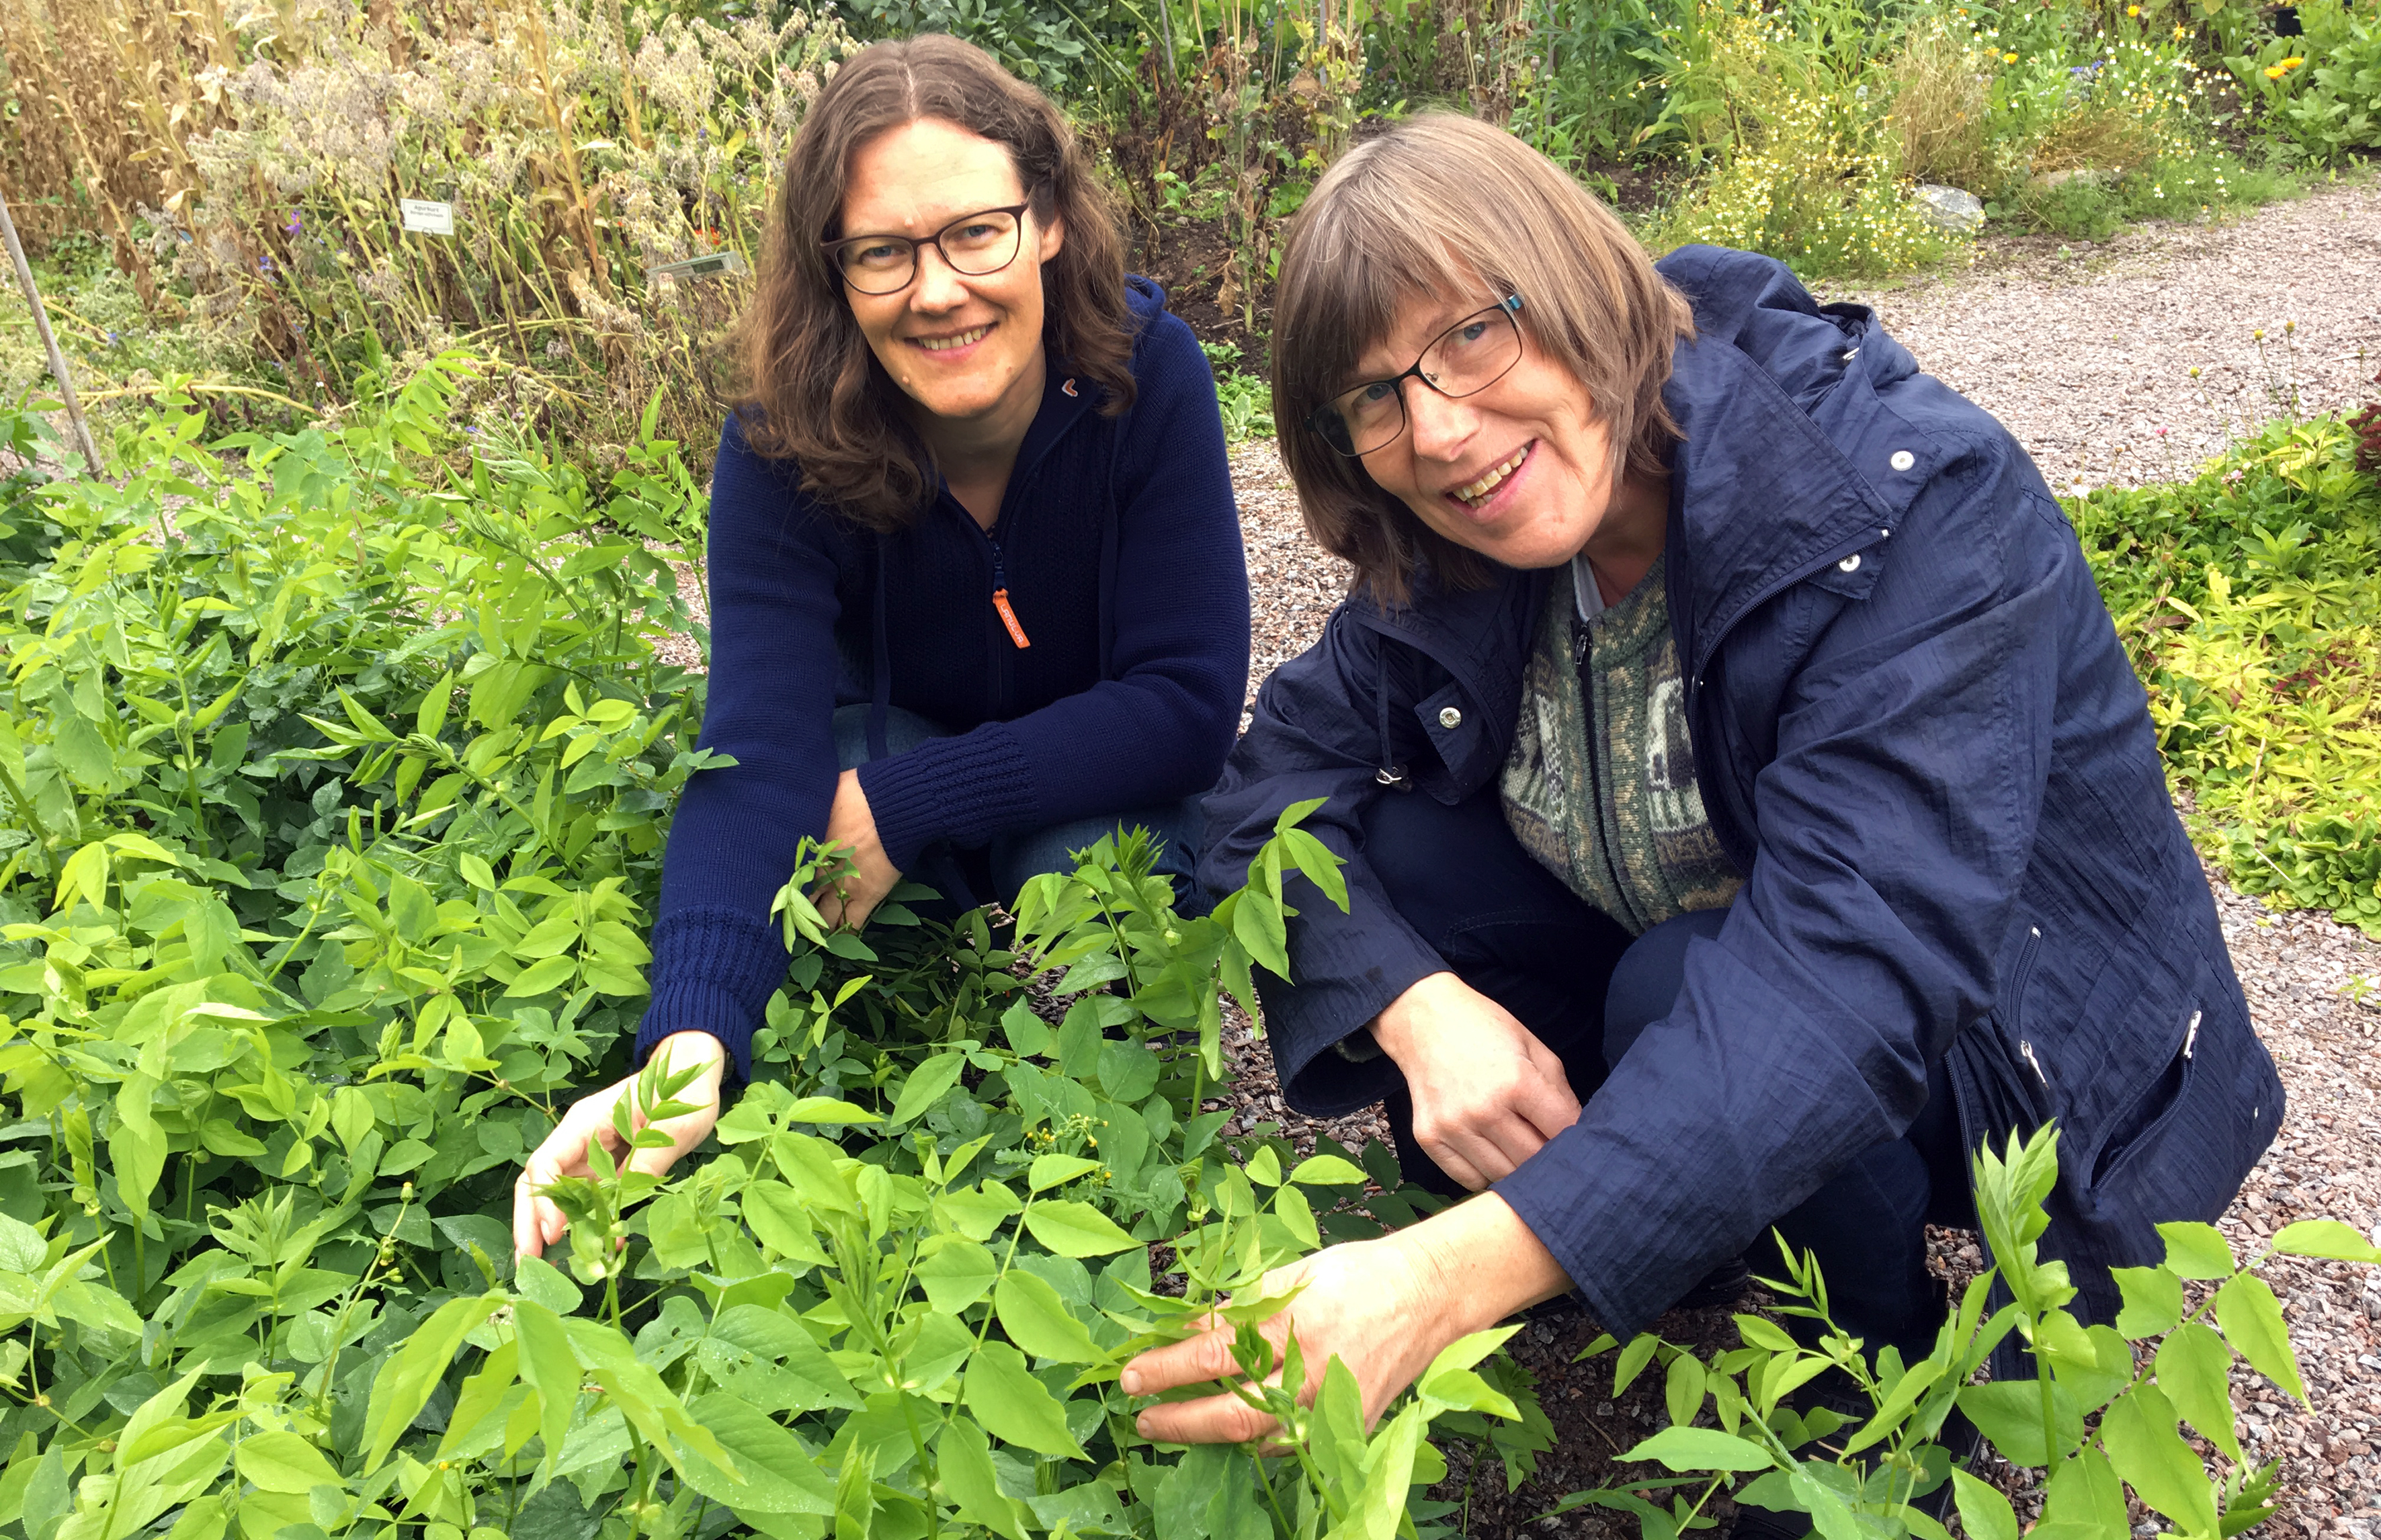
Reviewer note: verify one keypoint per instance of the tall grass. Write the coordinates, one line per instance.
(255, 168)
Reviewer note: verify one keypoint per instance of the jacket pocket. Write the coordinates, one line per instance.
(2141, 1123)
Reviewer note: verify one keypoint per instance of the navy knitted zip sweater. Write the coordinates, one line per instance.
(1119, 546)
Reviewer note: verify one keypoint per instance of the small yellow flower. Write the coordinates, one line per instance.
(2292, 62)
(2132, 10)
(2180, 33)
(2275, 72)
(2008, 58)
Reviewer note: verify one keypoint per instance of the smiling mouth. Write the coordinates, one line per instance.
(944, 344)
(1476, 493)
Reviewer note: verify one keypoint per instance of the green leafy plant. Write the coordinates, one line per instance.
(336, 768)
(2100, 1419)
(2249, 598)
(2320, 90)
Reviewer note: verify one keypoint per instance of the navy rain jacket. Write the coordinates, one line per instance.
(1916, 735)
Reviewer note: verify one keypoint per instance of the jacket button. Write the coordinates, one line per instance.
(1449, 718)
(1902, 460)
(1849, 564)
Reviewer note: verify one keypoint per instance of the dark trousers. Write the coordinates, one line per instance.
(1509, 927)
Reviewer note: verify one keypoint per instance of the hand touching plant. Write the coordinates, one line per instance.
(650, 1131)
(851, 894)
(1384, 1308)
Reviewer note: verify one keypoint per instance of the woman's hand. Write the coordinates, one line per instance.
(537, 1221)
(1384, 1308)
(851, 898)
(1486, 1093)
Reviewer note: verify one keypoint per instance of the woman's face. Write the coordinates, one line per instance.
(962, 347)
(1520, 473)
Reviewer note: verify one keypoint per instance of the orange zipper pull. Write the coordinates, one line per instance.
(1009, 618)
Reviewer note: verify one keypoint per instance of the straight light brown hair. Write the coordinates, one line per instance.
(808, 388)
(1443, 207)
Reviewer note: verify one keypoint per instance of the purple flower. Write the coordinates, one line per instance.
(296, 224)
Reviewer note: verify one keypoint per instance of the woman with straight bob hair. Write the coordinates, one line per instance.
(1749, 810)
(976, 583)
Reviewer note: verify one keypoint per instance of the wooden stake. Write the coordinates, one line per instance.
(49, 339)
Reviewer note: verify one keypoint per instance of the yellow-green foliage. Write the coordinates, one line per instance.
(2250, 599)
(1804, 163)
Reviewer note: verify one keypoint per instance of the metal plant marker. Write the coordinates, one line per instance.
(49, 340)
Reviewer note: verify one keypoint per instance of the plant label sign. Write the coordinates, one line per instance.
(715, 264)
(427, 216)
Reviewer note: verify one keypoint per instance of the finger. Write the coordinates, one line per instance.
(1189, 1361)
(1515, 1139)
(550, 1220)
(1219, 1419)
(1459, 1167)
(1546, 1100)
(528, 1236)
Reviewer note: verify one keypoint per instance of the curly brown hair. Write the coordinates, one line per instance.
(808, 388)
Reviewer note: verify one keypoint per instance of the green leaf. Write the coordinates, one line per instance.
(1029, 1035)
(549, 1368)
(1985, 1513)
(1056, 1171)
(2324, 1237)
(927, 1084)
(1010, 1402)
(1633, 1359)
(283, 1462)
(540, 1280)
(2152, 1300)
(781, 1222)
(2194, 1369)
(2196, 1251)
(1682, 1389)
(1265, 1167)
(774, 1472)
(2008, 1412)
(963, 1460)
(1685, 1448)
(2138, 1431)
(2252, 1319)
(403, 1386)
(1077, 1230)
(1915, 1382)
(1328, 1170)
(958, 1273)
(542, 977)
(1038, 1321)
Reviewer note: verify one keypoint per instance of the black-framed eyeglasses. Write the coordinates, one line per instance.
(1462, 361)
(974, 244)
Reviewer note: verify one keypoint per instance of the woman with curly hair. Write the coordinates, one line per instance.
(977, 588)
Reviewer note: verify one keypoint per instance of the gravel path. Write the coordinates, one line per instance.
(2088, 358)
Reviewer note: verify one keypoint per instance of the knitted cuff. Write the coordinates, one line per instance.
(714, 970)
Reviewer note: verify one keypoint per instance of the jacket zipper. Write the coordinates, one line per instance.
(1000, 597)
(1582, 646)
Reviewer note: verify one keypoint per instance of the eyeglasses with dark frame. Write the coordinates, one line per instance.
(1462, 361)
(974, 245)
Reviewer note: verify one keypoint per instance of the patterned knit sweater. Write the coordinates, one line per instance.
(1601, 787)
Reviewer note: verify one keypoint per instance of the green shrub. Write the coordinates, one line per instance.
(337, 768)
(2320, 91)
(2251, 600)
(1789, 119)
